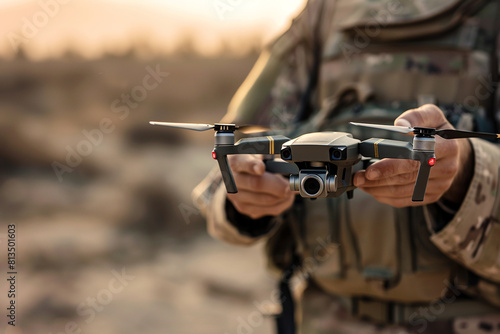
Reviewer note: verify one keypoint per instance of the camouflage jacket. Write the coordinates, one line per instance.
(378, 59)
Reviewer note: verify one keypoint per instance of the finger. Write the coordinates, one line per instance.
(442, 174)
(427, 115)
(253, 198)
(447, 148)
(391, 168)
(247, 163)
(401, 179)
(390, 191)
(434, 187)
(387, 168)
(439, 182)
(266, 183)
(359, 178)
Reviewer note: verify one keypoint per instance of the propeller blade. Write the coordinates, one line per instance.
(187, 126)
(453, 134)
(400, 129)
(248, 129)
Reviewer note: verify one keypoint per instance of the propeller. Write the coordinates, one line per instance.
(426, 132)
(217, 127)
(187, 126)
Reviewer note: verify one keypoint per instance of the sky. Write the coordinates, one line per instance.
(48, 27)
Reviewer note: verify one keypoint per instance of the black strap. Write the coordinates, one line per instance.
(285, 321)
(495, 106)
(306, 107)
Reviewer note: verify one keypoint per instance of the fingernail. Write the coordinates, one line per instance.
(374, 174)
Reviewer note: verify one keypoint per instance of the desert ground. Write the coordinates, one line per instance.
(107, 237)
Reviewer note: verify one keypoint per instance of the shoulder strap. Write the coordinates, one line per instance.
(306, 105)
(285, 321)
(495, 59)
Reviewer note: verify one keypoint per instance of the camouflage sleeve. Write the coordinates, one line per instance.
(276, 81)
(472, 237)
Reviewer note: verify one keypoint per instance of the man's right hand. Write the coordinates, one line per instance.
(260, 193)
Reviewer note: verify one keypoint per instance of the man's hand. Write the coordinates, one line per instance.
(260, 193)
(391, 181)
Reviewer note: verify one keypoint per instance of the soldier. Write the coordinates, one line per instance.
(378, 263)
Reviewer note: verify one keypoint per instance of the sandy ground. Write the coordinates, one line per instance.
(107, 248)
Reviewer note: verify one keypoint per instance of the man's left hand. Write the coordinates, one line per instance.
(392, 181)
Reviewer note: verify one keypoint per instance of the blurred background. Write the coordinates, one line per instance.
(108, 240)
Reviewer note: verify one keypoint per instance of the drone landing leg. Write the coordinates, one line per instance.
(421, 184)
(227, 175)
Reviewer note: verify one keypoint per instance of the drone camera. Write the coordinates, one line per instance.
(286, 153)
(338, 153)
(313, 183)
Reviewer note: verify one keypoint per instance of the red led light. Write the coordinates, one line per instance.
(432, 161)
(214, 155)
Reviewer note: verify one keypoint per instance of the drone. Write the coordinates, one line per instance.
(321, 164)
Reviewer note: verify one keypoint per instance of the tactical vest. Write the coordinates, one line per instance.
(380, 58)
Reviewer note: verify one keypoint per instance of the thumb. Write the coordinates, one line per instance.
(427, 115)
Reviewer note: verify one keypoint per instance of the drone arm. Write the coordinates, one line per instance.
(281, 167)
(385, 148)
(260, 145)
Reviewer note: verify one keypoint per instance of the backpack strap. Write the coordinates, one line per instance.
(285, 321)
(306, 105)
(495, 59)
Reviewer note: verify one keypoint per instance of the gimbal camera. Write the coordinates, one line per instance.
(320, 164)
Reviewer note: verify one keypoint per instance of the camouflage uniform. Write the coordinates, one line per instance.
(434, 268)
